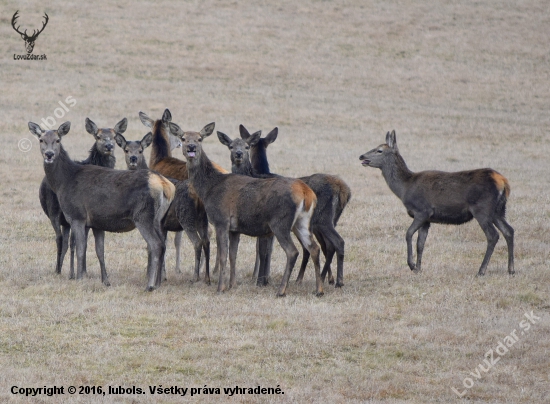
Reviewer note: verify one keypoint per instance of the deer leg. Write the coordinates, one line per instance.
(255, 274)
(508, 233)
(303, 265)
(222, 239)
(197, 245)
(265, 245)
(163, 265)
(416, 224)
(291, 256)
(155, 247)
(73, 243)
(233, 248)
(66, 231)
(335, 244)
(78, 232)
(422, 234)
(301, 230)
(203, 234)
(492, 239)
(177, 244)
(99, 236)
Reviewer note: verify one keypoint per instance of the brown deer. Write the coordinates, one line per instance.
(446, 198)
(106, 200)
(332, 193)
(101, 154)
(183, 213)
(237, 205)
(29, 40)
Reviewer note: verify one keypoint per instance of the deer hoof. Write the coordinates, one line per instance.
(107, 283)
(281, 294)
(511, 273)
(149, 288)
(338, 285)
(319, 294)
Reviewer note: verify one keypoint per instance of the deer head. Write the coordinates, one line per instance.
(29, 40)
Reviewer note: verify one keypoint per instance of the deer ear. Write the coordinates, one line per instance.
(207, 130)
(36, 129)
(391, 140)
(175, 129)
(63, 129)
(254, 138)
(145, 119)
(224, 139)
(91, 127)
(244, 133)
(167, 116)
(119, 139)
(147, 140)
(121, 126)
(272, 136)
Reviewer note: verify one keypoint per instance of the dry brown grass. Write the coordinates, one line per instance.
(465, 85)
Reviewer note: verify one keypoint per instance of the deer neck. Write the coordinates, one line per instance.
(142, 165)
(160, 147)
(397, 174)
(203, 176)
(258, 159)
(97, 158)
(245, 168)
(60, 171)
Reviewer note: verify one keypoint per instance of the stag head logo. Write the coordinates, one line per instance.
(29, 39)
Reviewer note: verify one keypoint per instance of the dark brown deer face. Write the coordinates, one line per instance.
(377, 156)
(29, 40)
(192, 141)
(105, 138)
(50, 141)
(133, 149)
(239, 148)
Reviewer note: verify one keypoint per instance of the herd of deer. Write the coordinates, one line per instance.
(177, 195)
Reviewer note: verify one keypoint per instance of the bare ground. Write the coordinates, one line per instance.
(464, 85)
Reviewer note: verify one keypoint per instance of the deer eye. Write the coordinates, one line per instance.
(126, 151)
(247, 147)
(141, 151)
(41, 141)
(57, 141)
(230, 147)
(200, 139)
(379, 151)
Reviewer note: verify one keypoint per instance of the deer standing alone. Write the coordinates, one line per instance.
(101, 154)
(106, 200)
(256, 207)
(332, 193)
(447, 198)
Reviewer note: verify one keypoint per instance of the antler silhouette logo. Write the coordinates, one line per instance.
(29, 40)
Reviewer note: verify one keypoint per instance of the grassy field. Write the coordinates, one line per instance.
(464, 84)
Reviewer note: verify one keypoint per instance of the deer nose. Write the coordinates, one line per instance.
(49, 154)
(109, 146)
(239, 154)
(133, 159)
(191, 148)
